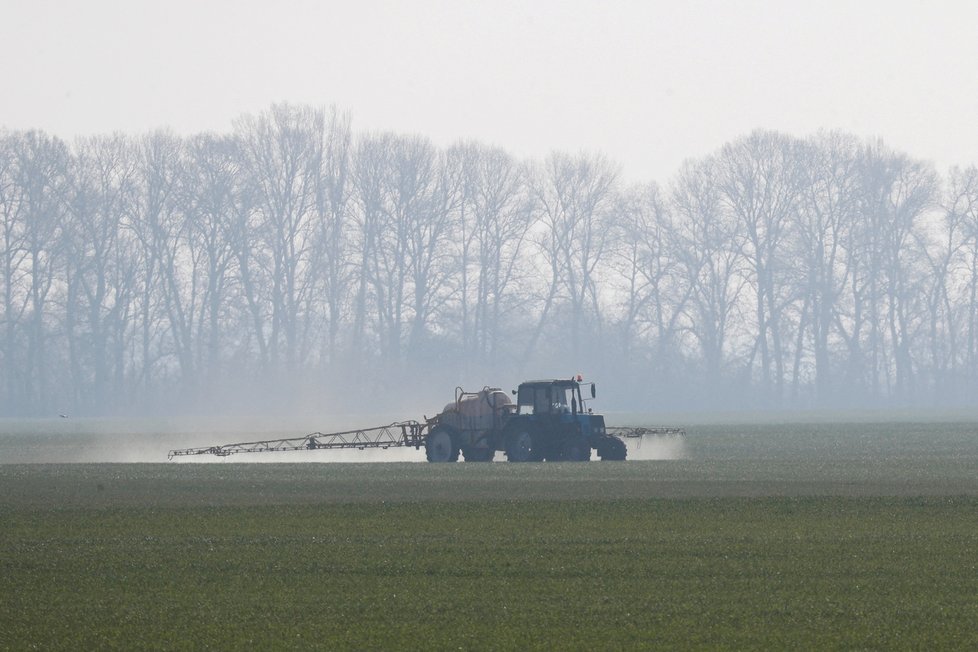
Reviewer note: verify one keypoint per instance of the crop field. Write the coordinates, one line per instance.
(798, 535)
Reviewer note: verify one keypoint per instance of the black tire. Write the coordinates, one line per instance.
(612, 449)
(575, 449)
(440, 446)
(520, 446)
(478, 454)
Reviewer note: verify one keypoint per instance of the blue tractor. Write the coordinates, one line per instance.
(552, 422)
(549, 421)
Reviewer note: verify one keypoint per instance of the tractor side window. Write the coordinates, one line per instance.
(541, 401)
(534, 400)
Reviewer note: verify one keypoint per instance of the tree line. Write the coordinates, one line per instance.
(294, 259)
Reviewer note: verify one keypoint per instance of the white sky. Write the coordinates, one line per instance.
(647, 83)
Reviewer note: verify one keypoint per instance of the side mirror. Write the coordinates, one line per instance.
(514, 392)
(593, 391)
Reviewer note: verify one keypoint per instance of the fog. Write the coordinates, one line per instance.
(651, 82)
(658, 448)
(320, 265)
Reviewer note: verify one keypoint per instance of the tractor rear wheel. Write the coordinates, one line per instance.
(440, 446)
(520, 446)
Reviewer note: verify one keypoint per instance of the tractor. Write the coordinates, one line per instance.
(549, 421)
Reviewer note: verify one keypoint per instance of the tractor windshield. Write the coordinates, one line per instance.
(560, 400)
(544, 399)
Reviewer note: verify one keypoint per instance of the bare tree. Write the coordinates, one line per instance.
(407, 195)
(209, 202)
(709, 252)
(13, 249)
(828, 212)
(369, 169)
(493, 222)
(428, 191)
(163, 227)
(102, 270)
(332, 269)
(953, 295)
(884, 310)
(282, 155)
(653, 292)
(575, 197)
(941, 244)
(760, 182)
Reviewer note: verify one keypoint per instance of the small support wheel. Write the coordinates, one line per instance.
(440, 446)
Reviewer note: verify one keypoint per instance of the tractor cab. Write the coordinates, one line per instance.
(552, 398)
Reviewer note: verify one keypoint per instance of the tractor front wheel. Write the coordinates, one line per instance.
(440, 446)
(612, 449)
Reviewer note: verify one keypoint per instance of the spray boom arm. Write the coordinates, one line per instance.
(400, 433)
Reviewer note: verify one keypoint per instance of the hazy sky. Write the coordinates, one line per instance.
(647, 83)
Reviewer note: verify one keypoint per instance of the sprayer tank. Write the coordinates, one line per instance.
(483, 410)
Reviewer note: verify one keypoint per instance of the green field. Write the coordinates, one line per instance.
(763, 536)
